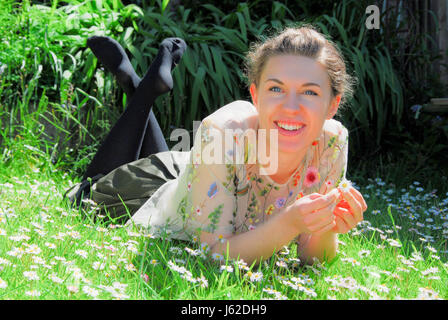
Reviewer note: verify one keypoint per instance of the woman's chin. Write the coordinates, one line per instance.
(289, 148)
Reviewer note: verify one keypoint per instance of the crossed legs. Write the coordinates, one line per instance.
(137, 133)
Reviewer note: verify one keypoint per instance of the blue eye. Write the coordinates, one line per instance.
(270, 89)
(312, 92)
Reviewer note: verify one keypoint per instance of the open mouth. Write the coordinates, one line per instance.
(289, 128)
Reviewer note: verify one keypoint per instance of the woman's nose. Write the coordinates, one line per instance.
(292, 102)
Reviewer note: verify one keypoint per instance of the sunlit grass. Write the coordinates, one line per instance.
(49, 251)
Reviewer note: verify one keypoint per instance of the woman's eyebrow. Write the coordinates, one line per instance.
(305, 84)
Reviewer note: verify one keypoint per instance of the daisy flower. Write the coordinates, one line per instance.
(430, 270)
(217, 257)
(130, 267)
(281, 264)
(255, 276)
(205, 247)
(3, 284)
(364, 253)
(428, 294)
(33, 293)
(33, 249)
(98, 265)
(203, 282)
(221, 238)
(90, 291)
(55, 278)
(226, 268)
(73, 289)
(345, 185)
(242, 265)
(81, 253)
(31, 275)
(394, 243)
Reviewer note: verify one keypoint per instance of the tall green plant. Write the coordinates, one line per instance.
(378, 99)
(84, 100)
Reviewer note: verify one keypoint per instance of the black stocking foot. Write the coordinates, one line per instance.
(158, 77)
(112, 55)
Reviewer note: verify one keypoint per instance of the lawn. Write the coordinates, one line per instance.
(51, 251)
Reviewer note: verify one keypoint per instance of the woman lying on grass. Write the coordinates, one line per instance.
(247, 209)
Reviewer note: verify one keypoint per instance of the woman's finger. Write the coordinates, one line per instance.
(315, 217)
(319, 224)
(315, 203)
(346, 216)
(341, 226)
(326, 228)
(345, 205)
(355, 206)
(360, 198)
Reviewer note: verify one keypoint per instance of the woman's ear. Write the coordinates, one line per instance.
(334, 105)
(253, 94)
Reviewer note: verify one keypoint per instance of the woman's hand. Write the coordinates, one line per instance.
(349, 211)
(314, 213)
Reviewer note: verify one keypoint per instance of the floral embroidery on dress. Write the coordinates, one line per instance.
(312, 177)
(269, 210)
(213, 189)
(296, 178)
(280, 202)
(252, 197)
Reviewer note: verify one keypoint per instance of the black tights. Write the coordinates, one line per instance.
(137, 133)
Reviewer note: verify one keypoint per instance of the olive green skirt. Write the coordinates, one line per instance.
(125, 189)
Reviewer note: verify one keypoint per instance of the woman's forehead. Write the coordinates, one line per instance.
(294, 68)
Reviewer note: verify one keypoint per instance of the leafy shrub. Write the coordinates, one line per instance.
(49, 72)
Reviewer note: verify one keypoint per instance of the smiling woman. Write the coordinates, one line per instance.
(297, 81)
(297, 109)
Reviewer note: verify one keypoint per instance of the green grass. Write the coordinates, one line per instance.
(48, 132)
(49, 251)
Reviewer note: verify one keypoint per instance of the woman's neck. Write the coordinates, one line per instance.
(287, 164)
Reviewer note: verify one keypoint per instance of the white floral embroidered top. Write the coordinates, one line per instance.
(230, 198)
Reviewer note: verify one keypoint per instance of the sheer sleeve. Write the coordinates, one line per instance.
(335, 158)
(214, 182)
(333, 167)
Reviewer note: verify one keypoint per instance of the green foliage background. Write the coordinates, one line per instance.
(53, 91)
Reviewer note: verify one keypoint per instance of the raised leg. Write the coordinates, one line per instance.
(125, 141)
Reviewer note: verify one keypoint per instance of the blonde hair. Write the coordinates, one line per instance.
(303, 41)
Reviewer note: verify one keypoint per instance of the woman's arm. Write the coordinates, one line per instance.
(322, 246)
(310, 214)
(257, 244)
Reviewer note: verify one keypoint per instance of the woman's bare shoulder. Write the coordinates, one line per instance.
(334, 127)
(239, 114)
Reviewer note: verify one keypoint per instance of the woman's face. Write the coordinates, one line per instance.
(294, 93)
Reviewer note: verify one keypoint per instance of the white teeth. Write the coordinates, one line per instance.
(289, 127)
